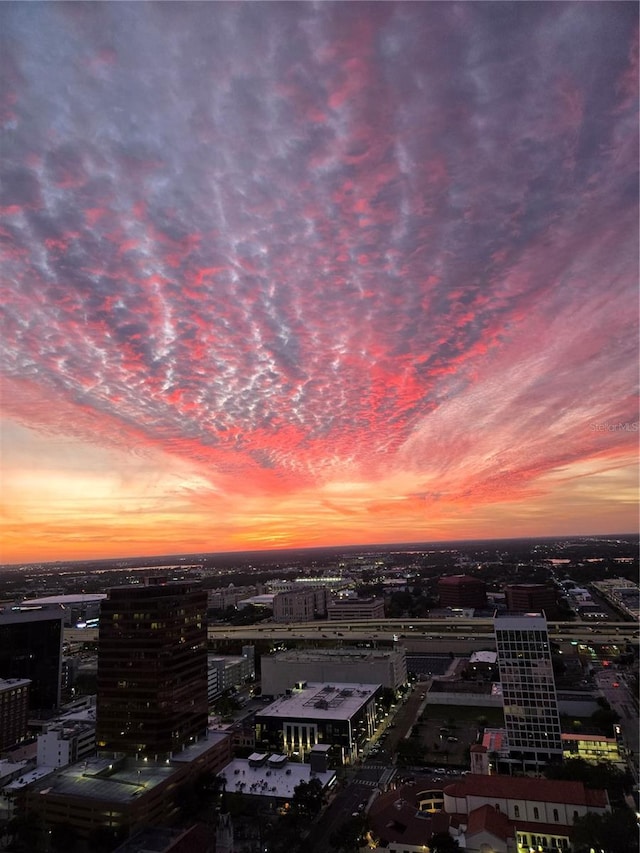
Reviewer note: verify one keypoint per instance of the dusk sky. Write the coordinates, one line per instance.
(281, 275)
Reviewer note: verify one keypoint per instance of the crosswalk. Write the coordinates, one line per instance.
(367, 782)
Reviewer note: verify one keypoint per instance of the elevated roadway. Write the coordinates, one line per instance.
(456, 634)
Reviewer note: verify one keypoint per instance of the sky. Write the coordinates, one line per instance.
(303, 274)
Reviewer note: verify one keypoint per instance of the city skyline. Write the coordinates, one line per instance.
(296, 275)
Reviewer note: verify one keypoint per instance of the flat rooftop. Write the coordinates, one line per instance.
(350, 655)
(120, 781)
(319, 701)
(269, 781)
(77, 598)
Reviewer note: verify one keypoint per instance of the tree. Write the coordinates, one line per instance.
(442, 842)
(604, 719)
(307, 798)
(612, 832)
(348, 837)
(602, 775)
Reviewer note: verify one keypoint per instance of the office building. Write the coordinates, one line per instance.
(338, 715)
(462, 591)
(530, 705)
(62, 744)
(281, 671)
(355, 609)
(532, 598)
(124, 794)
(152, 668)
(79, 610)
(31, 647)
(14, 703)
(270, 781)
(295, 605)
(226, 672)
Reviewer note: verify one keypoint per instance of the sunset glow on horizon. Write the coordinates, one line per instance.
(285, 275)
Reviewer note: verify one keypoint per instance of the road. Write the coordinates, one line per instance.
(418, 635)
(613, 687)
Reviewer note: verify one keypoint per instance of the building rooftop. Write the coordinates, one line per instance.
(321, 701)
(67, 599)
(487, 819)
(395, 816)
(8, 683)
(525, 788)
(120, 781)
(198, 747)
(337, 654)
(268, 779)
(483, 657)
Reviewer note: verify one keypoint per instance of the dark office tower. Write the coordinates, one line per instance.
(152, 669)
(31, 647)
(528, 689)
(532, 598)
(462, 591)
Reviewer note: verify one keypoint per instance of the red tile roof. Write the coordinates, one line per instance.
(526, 788)
(394, 816)
(488, 819)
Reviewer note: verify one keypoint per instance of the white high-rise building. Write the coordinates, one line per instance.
(531, 714)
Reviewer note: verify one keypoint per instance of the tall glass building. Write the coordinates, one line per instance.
(31, 647)
(152, 669)
(531, 714)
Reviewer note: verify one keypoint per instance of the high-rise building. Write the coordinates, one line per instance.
(31, 647)
(152, 668)
(462, 591)
(531, 714)
(532, 598)
(14, 700)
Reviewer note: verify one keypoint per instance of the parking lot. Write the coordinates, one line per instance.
(445, 732)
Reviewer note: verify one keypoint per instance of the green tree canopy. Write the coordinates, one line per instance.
(612, 832)
(603, 775)
(442, 842)
(307, 798)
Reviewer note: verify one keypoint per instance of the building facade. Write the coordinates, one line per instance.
(14, 706)
(462, 591)
(281, 671)
(532, 598)
(296, 605)
(531, 715)
(226, 672)
(31, 647)
(340, 715)
(125, 793)
(541, 811)
(152, 668)
(60, 744)
(356, 609)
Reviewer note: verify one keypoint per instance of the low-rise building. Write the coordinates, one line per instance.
(60, 745)
(592, 748)
(339, 715)
(271, 780)
(355, 609)
(229, 596)
(126, 793)
(542, 811)
(281, 671)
